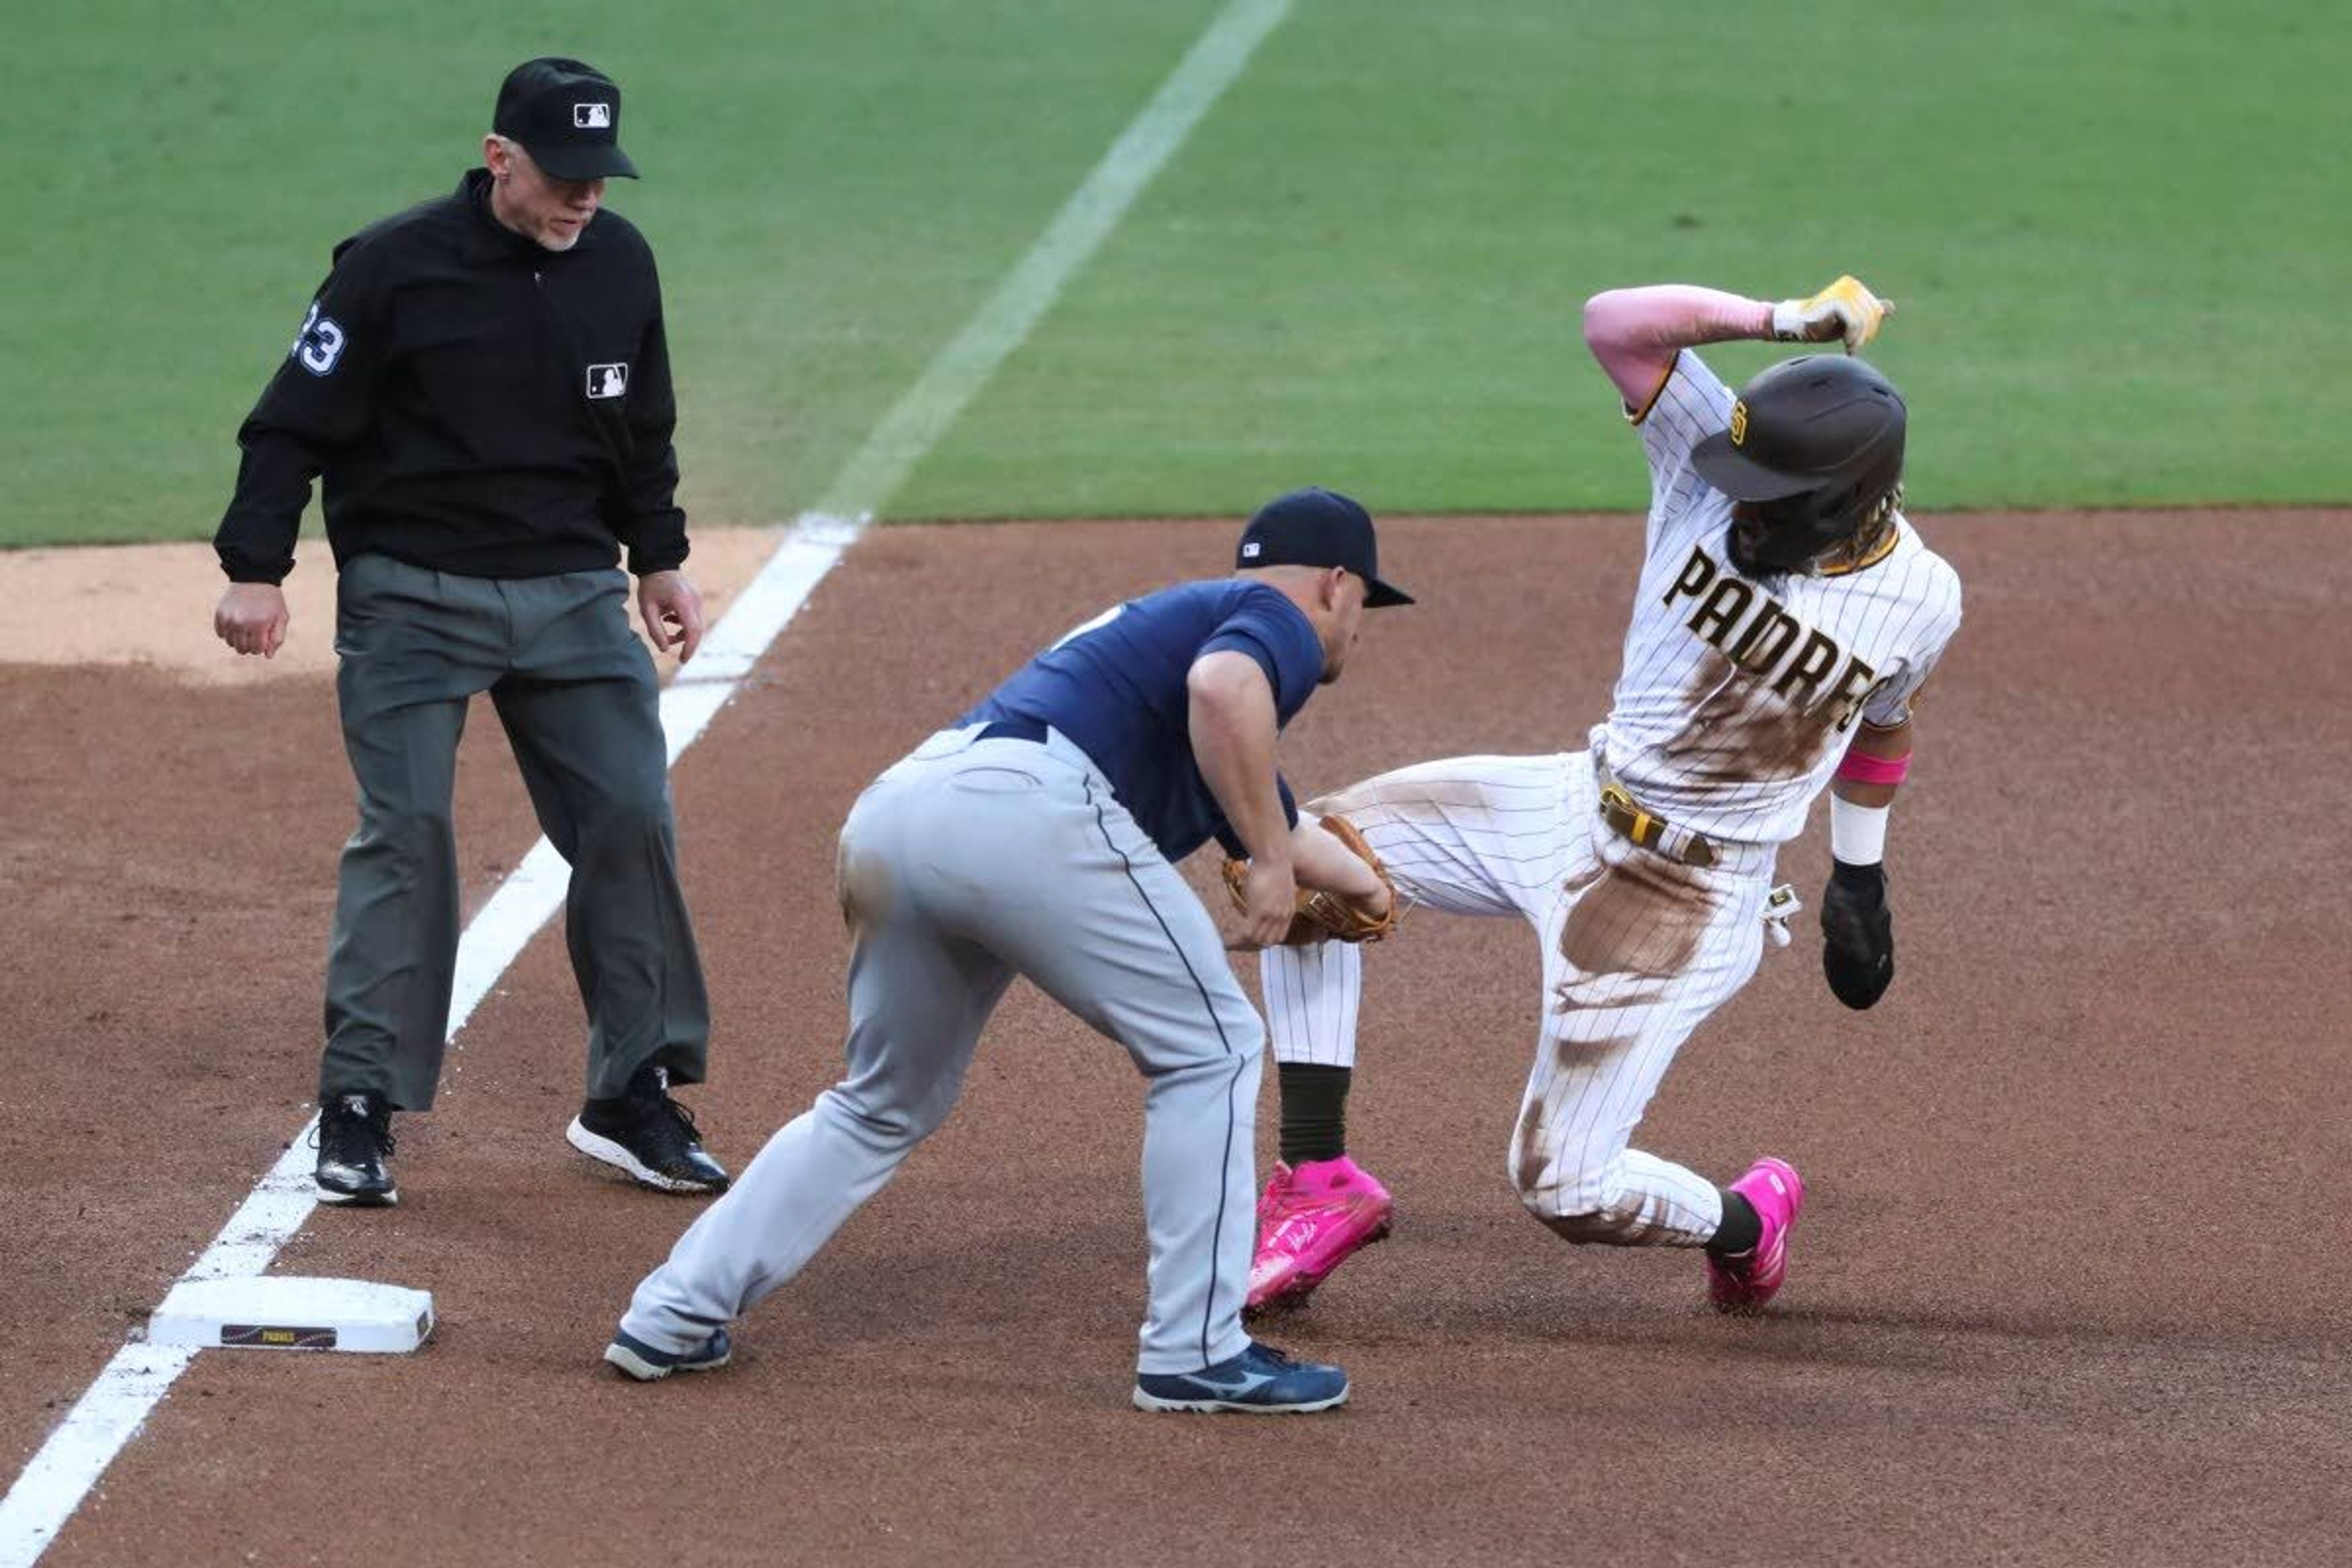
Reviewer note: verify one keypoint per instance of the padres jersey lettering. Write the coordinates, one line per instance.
(1758, 645)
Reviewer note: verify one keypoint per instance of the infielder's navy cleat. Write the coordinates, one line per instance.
(647, 1364)
(1261, 1381)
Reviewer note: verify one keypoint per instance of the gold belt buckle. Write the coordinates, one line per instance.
(1629, 819)
(1622, 812)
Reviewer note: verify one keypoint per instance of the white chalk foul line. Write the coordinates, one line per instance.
(110, 1414)
(1077, 231)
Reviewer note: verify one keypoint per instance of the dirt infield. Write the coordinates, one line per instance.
(2073, 1288)
(149, 606)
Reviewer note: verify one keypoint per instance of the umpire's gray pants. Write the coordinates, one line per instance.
(575, 689)
(967, 863)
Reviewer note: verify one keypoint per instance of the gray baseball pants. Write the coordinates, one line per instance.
(967, 863)
(575, 689)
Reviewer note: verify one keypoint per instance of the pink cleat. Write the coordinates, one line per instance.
(1309, 1221)
(1745, 1282)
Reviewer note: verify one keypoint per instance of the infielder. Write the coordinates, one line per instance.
(1036, 836)
(1787, 616)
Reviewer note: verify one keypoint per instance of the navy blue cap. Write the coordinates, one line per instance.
(567, 115)
(1315, 527)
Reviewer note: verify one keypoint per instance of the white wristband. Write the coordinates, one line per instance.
(1857, 833)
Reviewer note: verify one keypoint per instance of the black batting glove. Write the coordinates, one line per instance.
(1857, 934)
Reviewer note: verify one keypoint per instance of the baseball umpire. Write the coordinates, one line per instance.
(482, 383)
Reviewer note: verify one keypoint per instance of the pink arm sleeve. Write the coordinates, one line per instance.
(1635, 332)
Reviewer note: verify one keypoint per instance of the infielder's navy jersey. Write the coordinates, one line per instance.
(1116, 687)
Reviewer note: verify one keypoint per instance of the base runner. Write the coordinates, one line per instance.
(1787, 616)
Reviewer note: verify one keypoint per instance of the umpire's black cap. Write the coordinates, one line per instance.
(567, 115)
(1315, 527)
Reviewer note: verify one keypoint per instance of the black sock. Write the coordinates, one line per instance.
(1314, 1111)
(1741, 1228)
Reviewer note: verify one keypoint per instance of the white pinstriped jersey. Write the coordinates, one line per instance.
(1738, 697)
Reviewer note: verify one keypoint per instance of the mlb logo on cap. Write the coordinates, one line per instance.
(1315, 527)
(571, 137)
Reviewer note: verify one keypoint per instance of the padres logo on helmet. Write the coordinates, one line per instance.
(1825, 469)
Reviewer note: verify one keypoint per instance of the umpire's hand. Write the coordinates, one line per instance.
(1857, 934)
(251, 618)
(672, 611)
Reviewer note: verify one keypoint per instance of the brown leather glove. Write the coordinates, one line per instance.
(1329, 917)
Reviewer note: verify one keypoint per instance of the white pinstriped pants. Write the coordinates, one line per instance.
(1637, 951)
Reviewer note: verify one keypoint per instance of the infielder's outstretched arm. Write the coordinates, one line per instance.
(1231, 715)
(1636, 333)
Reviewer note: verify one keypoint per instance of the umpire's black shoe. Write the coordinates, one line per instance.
(354, 1139)
(651, 1136)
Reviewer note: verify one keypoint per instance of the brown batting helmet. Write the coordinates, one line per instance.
(1814, 449)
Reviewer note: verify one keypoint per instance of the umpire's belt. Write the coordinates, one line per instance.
(1625, 816)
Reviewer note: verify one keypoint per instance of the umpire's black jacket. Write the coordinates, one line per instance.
(475, 403)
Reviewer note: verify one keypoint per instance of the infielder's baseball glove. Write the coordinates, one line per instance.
(1329, 917)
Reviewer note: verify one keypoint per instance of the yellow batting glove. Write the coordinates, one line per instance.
(1844, 311)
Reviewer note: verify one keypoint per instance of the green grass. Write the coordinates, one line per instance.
(2116, 231)
(2110, 228)
(831, 191)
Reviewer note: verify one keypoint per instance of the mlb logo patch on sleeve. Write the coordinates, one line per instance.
(608, 380)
